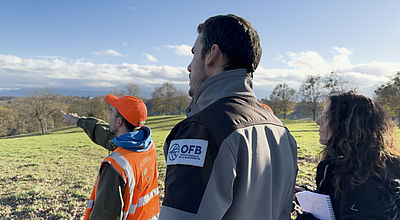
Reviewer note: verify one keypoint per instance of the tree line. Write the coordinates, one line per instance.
(308, 100)
(39, 110)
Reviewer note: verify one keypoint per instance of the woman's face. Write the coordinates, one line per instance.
(323, 121)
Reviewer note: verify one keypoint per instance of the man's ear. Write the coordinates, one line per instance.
(120, 123)
(214, 56)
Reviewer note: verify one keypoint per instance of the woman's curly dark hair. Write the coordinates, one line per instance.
(362, 140)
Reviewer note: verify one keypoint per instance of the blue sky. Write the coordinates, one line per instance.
(92, 47)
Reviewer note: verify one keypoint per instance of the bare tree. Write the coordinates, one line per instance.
(389, 96)
(81, 106)
(8, 122)
(282, 100)
(41, 104)
(335, 84)
(119, 92)
(90, 107)
(182, 101)
(166, 98)
(132, 90)
(100, 107)
(312, 94)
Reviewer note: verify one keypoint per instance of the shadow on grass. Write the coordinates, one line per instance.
(29, 165)
(52, 131)
(14, 203)
(22, 135)
(71, 132)
(161, 128)
(308, 159)
(20, 178)
(164, 119)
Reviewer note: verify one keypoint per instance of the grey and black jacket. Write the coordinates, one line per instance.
(231, 158)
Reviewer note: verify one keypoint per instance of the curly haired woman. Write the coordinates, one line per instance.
(360, 167)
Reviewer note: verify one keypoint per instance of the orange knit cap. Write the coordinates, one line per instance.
(130, 107)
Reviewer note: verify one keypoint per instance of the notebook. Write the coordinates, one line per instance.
(319, 205)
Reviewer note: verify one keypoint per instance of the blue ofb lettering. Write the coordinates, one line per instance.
(191, 149)
(184, 149)
(198, 150)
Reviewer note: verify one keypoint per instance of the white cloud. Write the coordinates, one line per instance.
(26, 73)
(343, 50)
(124, 44)
(108, 52)
(81, 74)
(150, 57)
(9, 89)
(366, 77)
(181, 50)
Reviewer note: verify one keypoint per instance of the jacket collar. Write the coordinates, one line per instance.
(230, 83)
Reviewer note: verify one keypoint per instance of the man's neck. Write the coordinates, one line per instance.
(122, 131)
(215, 71)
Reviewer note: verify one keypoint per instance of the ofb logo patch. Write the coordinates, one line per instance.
(173, 152)
(187, 152)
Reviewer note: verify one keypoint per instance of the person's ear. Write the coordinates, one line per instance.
(119, 122)
(214, 55)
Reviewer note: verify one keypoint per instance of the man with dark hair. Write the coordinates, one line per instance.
(231, 158)
(127, 184)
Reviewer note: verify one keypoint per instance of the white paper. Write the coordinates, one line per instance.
(319, 205)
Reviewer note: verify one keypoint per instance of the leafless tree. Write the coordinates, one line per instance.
(167, 99)
(41, 104)
(312, 94)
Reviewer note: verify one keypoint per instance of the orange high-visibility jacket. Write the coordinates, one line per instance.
(139, 172)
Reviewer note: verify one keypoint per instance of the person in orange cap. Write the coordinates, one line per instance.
(127, 185)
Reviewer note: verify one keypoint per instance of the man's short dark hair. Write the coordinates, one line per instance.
(236, 38)
(128, 125)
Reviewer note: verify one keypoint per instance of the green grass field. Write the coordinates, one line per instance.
(51, 176)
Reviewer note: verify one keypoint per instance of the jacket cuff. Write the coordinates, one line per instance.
(80, 122)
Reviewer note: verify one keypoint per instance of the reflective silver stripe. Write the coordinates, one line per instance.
(155, 217)
(90, 204)
(143, 200)
(132, 208)
(125, 215)
(326, 168)
(128, 172)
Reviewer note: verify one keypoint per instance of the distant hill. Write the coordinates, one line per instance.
(6, 99)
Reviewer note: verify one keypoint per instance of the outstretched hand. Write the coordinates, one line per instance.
(70, 118)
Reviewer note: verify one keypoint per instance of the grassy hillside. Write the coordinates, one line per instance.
(51, 176)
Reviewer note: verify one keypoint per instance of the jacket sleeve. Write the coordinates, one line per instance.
(98, 131)
(202, 191)
(109, 196)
